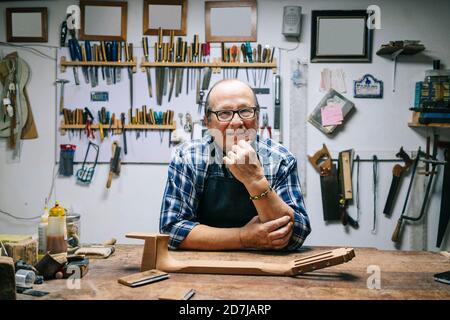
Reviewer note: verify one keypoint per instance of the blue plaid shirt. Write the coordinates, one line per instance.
(188, 174)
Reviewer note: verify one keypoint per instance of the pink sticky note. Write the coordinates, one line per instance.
(331, 115)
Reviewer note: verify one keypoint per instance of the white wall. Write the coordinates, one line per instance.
(133, 202)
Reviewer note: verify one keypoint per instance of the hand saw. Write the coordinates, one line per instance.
(329, 185)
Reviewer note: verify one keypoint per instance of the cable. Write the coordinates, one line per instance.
(33, 50)
(292, 49)
(54, 175)
(19, 218)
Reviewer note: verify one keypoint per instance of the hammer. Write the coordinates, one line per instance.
(62, 82)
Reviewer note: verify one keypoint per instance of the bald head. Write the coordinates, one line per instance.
(230, 88)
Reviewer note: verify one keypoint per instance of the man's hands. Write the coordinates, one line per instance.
(272, 228)
(274, 234)
(244, 164)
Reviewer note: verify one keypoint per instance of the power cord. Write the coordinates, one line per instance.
(54, 175)
(32, 50)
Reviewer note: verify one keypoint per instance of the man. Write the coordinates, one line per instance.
(230, 190)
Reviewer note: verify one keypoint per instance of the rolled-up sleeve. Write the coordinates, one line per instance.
(287, 186)
(179, 201)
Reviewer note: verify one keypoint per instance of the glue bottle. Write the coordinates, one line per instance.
(56, 242)
(42, 231)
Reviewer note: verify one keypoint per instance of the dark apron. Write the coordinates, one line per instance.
(225, 202)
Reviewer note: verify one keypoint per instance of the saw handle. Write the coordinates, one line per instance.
(396, 233)
(325, 166)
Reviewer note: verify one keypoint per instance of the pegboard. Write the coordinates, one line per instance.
(152, 146)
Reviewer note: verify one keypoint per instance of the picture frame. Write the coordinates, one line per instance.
(166, 14)
(27, 24)
(103, 20)
(243, 15)
(340, 36)
(331, 97)
(368, 87)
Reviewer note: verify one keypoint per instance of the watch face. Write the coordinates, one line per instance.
(443, 277)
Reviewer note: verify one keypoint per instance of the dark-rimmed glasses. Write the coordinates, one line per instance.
(227, 115)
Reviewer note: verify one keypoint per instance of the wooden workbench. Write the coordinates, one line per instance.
(404, 275)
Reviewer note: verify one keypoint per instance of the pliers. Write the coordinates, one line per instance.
(265, 125)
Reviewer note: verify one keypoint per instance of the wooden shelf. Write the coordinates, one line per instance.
(415, 123)
(217, 65)
(117, 127)
(406, 50)
(65, 64)
(431, 125)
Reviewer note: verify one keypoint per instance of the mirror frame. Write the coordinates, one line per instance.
(123, 26)
(316, 15)
(154, 32)
(44, 25)
(230, 4)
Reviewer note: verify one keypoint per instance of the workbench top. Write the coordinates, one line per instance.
(404, 275)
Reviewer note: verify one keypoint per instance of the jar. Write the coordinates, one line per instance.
(73, 224)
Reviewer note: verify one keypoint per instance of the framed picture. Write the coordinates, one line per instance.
(103, 20)
(340, 36)
(165, 14)
(26, 25)
(230, 21)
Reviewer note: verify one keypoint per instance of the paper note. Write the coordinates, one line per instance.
(331, 115)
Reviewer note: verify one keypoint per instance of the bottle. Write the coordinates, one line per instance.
(42, 232)
(56, 242)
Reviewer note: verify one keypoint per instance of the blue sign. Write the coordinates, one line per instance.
(99, 96)
(368, 87)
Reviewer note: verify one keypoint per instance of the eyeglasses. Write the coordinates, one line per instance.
(227, 115)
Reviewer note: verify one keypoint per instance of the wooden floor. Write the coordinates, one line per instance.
(404, 275)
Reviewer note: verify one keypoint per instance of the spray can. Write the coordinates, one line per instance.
(56, 231)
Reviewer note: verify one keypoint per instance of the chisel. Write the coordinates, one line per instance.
(147, 70)
(122, 119)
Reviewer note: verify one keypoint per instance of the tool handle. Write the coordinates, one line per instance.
(77, 47)
(109, 52)
(397, 230)
(114, 51)
(249, 51)
(259, 48)
(122, 119)
(273, 53)
(145, 46)
(89, 114)
(110, 176)
(160, 37)
(73, 55)
(171, 41)
(87, 46)
(130, 53)
(207, 49)
(61, 103)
